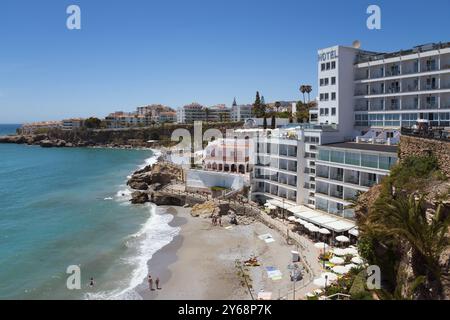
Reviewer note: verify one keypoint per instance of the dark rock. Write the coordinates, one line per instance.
(46, 144)
(60, 144)
(138, 185)
(138, 197)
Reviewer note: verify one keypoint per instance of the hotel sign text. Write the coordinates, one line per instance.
(328, 55)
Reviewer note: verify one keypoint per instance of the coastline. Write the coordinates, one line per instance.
(199, 263)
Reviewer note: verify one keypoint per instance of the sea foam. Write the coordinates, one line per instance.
(154, 234)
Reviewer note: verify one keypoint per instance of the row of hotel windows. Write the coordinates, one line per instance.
(334, 208)
(358, 159)
(404, 119)
(282, 164)
(282, 149)
(276, 191)
(328, 66)
(326, 81)
(326, 111)
(326, 96)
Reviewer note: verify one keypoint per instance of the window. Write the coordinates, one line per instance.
(352, 158)
(333, 65)
(333, 96)
(376, 120)
(326, 81)
(321, 82)
(369, 160)
(328, 66)
(321, 97)
(386, 163)
(337, 156)
(333, 111)
(322, 67)
(392, 120)
(333, 80)
(324, 155)
(326, 96)
(361, 120)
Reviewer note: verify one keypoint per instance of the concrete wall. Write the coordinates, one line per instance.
(410, 146)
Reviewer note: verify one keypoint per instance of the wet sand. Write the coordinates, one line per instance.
(199, 264)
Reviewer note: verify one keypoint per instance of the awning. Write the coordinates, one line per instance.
(323, 219)
(339, 225)
(307, 215)
(279, 204)
(297, 209)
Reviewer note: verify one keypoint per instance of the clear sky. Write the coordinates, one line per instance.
(136, 52)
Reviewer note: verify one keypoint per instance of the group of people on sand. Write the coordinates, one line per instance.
(217, 220)
(150, 283)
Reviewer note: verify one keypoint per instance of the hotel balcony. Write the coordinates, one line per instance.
(434, 63)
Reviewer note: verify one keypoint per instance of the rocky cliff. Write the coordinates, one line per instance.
(424, 170)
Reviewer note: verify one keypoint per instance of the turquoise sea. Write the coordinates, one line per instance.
(64, 207)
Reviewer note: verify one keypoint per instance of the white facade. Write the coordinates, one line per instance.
(343, 170)
(361, 91)
(241, 112)
(394, 90)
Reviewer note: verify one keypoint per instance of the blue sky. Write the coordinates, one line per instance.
(135, 52)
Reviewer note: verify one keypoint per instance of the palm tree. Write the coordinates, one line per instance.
(277, 105)
(303, 91)
(404, 218)
(207, 114)
(308, 90)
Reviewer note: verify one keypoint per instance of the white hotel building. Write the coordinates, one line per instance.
(364, 99)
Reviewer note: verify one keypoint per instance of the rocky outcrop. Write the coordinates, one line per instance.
(138, 185)
(418, 146)
(154, 178)
(210, 208)
(138, 197)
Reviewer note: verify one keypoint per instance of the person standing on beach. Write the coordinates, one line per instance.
(91, 282)
(150, 283)
(157, 284)
(220, 221)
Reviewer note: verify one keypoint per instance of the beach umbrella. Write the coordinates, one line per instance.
(357, 260)
(329, 275)
(321, 245)
(313, 228)
(351, 251)
(354, 232)
(337, 260)
(291, 218)
(321, 282)
(342, 239)
(324, 231)
(339, 252)
(340, 270)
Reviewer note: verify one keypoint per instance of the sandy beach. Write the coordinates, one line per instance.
(199, 264)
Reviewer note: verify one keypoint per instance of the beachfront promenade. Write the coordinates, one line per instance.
(309, 254)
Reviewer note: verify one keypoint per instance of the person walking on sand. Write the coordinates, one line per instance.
(157, 284)
(91, 282)
(220, 221)
(150, 283)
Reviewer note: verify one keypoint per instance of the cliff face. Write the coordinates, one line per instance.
(401, 265)
(415, 146)
(134, 137)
